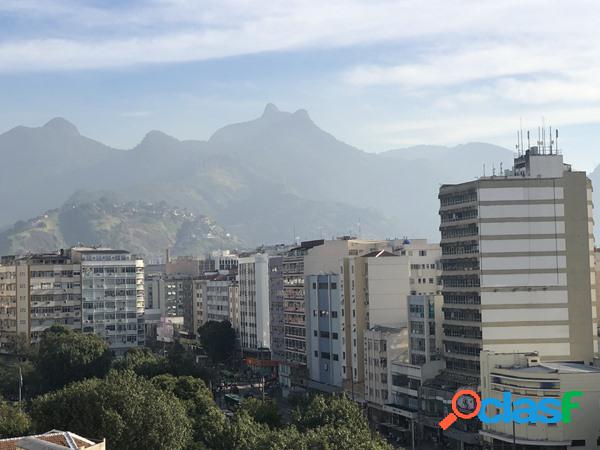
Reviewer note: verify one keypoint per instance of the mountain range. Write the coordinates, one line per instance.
(270, 179)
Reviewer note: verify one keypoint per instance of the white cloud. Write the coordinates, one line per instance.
(159, 31)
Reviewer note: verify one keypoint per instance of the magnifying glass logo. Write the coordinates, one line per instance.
(451, 418)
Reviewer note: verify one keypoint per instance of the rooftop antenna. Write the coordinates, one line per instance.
(544, 134)
(518, 146)
(493, 170)
(556, 141)
(521, 133)
(501, 171)
(551, 141)
(484, 170)
(528, 142)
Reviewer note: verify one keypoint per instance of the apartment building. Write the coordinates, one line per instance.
(517, 257)
(255, 334)
(324, 330)
(383, 345)
(425, 328)
(36, 292)
(276, 308)
(377, 285)
(95, 290)
(112, 291)
(9, 313)
(294, 317)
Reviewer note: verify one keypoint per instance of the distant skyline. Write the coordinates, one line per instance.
(378, 75)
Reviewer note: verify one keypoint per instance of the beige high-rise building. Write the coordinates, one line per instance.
(518, 264)
(376, 285)
(36, 292)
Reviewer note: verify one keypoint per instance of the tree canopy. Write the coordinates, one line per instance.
(208, 422)
(13, 421)
(218, 340)
(263, 411)
(128, 410)
(65, 356)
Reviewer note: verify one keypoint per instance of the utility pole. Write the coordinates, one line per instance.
(20, 387)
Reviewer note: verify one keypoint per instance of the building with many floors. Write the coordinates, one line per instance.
(376, 285)
(255, 335)
(324, 332)
(112, 291)
(95, 290)
(517, 260)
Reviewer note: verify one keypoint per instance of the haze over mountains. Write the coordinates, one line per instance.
(265, 180)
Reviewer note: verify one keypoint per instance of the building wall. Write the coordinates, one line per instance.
(113, 296)
(517, 374)
(324, 329)
(254, 302)
(382, 345)
(8, 307)
(518, 265)
(276, 302)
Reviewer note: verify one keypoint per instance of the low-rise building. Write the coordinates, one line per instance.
(52, 440)
(524, 376)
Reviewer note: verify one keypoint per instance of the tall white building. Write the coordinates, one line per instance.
(112, 289)
(253, 274)
(517, 255)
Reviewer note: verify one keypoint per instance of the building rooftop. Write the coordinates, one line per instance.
(393, 328)
(52, 440)
(558, 367)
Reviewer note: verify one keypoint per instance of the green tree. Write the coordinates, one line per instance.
(218, 339)
(263, 411)
(10, 376)
(335, 423)
(207, 419)
(244, 433)
(128, 410)
(13, 421)
(143, 362)
(65, 356)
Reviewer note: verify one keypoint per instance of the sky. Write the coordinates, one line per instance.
(376, 74)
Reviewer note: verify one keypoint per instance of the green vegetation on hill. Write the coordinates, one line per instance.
(141, 227)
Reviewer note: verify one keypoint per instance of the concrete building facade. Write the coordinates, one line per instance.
(523, 375)
(324, 331)
(254, 302)
(518, 264)
(112, 290)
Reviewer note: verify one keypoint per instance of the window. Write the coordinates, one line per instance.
(334, 336)
(324, 334)
(335, 357)
(333, 285)
(334, 314)
(316, 354)
(315, 333)
(578, 443)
